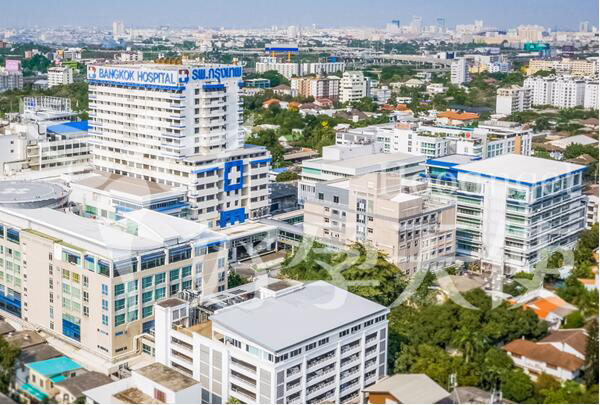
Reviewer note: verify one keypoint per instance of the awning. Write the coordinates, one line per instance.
(34, 392)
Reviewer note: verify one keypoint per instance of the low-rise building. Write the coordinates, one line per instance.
(70, 390)
(152, 384)
(560, 355)
(110, 195)
(332, 347)
(43, 375)
(387, 212)
(406, 389)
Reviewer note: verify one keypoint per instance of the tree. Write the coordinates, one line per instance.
(591, 354)
(517, 386)
(235, 279)
(287, 176)
(232, 400)
(8, 356)
(574, 320)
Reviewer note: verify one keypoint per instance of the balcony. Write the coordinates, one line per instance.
(320, 386)
(351, 359)
(350, 346)
(320, 373)
(293, 384)
(320, 359)
(243, 394)
(293, 370)
(243, 365)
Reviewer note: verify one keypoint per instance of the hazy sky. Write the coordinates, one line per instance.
(326, 13)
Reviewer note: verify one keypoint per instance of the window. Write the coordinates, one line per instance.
(321, 196)
(159, 293)
(147, 282)
(132, 316)
(310, 346)
(336, 199)
(153, 260)
(105, 320)
(119, 304)
(174, 275)
(159, 395)
(146, 312)
(295, 353)
(146, 297)
(159, 278)
(104, 305)
(119, 289)
(132, 286)
(186, 271)
(221, 262)
(119, 319)
(180, 253)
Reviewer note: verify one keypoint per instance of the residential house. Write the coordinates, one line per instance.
(406, 389)
(43, 375)
(71, 390)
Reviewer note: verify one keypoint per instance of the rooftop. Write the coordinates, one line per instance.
(576, 338)
(123, 184)
(133, 395)
(86, 381)
(367, 161)
(52, 367)
(166, 376)
(38, 353)
(5, 328)
(24, 338)
(524, 169)
(304, 313)
(451, 160)
(411, 389)
(18, 192)
(544, 353)
(171, 302)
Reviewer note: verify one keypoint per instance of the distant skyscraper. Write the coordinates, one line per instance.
(441, 23)
(118, 29)
(416, 24)
(584, 26)
(396, 23)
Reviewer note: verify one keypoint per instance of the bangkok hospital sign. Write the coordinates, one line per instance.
(157, 77)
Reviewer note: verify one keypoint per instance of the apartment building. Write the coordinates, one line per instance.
(291, 69)
(459, 71)
(317, 87)
(321, 68)
(59, 75)
(334, 345)
(512, 208)
(558, 91)
(575, 67)
(491, 138)
(178, 125)
(353, 86)
(94, 285)
(341, 161)
(590, 99)
(10, 80)
(387, 212)
(513, 99)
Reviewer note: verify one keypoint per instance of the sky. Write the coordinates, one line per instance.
(562, 14)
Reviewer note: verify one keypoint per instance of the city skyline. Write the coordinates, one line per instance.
(235, 13)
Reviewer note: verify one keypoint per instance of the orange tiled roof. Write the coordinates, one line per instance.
(454, 115)
(544, 353)
(271, 101)
(587, 281)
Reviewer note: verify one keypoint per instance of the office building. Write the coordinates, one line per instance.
(118, 30)
(590, 99)
(94, 285)
(178, 125)
(341, 161)
(353, 87)
(513, 99)
(511, 208)
(316, 87)
(59, 76)
(330, 345)
(387, 212)
(459, 71)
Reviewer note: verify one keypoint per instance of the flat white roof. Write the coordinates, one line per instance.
(404, 197)
(519, 168)
(361, 162)
(155, 230)
(280, 322)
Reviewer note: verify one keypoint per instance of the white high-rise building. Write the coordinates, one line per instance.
(59, 75)
(513, 99)
(275, 341)
(568, 92)
(590, 100)
(459, 71)
(178, 125)
(558, 91)
(353, 86)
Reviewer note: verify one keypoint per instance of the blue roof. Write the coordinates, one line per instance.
(34, 392)
(54, 366)
(280, 170)
(69, 127)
